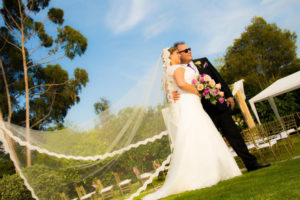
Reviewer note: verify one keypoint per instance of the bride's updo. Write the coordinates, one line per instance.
(172, 50)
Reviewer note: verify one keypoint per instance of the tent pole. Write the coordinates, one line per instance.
(274, 108)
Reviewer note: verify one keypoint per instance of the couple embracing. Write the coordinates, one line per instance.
(200, 158)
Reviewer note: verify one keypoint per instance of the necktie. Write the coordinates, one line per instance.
(191, 67)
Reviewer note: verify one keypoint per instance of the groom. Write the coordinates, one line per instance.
(219, 113)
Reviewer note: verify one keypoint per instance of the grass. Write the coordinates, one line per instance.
(280, 181)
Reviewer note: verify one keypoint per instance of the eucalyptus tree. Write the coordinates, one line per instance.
(47, 90)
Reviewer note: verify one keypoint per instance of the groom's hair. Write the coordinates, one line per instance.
(176, 44)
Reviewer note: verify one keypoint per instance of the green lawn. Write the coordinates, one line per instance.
(280, 181)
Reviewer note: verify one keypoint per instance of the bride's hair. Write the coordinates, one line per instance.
(172, 50)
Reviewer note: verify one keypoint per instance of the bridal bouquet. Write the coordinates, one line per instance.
(208, 88)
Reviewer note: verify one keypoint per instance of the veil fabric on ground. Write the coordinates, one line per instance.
(127, 142)
(200, 158)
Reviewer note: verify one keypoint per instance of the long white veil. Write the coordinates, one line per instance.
(126, 143)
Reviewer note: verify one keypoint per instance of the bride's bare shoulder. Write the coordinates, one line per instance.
(172, 68)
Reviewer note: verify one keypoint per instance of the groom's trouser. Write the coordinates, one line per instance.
(225, 123)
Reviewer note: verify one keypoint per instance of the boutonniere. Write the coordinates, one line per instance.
(198, 63)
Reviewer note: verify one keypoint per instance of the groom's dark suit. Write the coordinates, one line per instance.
(220, 114)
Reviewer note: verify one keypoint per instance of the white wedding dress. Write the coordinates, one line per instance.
(201, 157)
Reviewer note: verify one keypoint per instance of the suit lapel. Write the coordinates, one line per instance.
(204, 66)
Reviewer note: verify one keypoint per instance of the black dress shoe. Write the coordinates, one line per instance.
(257, 166)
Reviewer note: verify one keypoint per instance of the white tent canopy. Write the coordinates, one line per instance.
(281, 86)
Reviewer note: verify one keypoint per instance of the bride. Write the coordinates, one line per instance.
(200, 158)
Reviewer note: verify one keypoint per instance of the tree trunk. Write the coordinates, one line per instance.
(26, 86)
(10, 143)
(27, 103)
(9, 140)
(7, 93)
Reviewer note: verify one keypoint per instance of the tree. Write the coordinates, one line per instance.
(11, 65)
(263, 54)
(219, 63)
(43, 90)
(102, 105)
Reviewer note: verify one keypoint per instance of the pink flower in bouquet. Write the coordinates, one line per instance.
(207, 78)
(194, 81)
(200, 87)
(206, 92)
(201, 79)
(221, 93)
(216, 91)
(218, 86)
(221, 100)
(212, 83)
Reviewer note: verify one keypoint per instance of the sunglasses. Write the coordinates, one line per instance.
(185, 51)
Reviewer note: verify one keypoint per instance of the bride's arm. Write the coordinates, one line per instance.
(182, 84)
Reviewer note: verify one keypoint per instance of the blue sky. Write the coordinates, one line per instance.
(125, 37)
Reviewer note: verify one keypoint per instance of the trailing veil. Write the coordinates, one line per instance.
(118, 153)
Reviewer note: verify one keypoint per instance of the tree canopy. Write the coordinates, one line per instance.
(51, 92)
(263, 54)
(102, 105)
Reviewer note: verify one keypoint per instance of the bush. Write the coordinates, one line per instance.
(46, 182)
(12, 187)
(6, 165)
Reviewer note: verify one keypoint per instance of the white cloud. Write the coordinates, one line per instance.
(125, 15)
(225, 22)
(276, 8)
(215, 24)
(266, 1)
(160, 25)
(221, 26)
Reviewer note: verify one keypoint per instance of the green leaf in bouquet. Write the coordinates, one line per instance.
(213, 101)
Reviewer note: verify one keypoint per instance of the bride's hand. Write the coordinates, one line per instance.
(230, 102)
(175, 95)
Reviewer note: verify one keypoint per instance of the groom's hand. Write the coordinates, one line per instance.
(230, 102)
(175, 95)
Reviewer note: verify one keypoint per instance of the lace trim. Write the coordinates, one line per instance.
(150, 180)
(93, 158)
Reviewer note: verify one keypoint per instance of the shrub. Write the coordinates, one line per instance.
(12, 187)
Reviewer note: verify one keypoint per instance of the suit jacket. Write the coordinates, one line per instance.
(207, 68)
